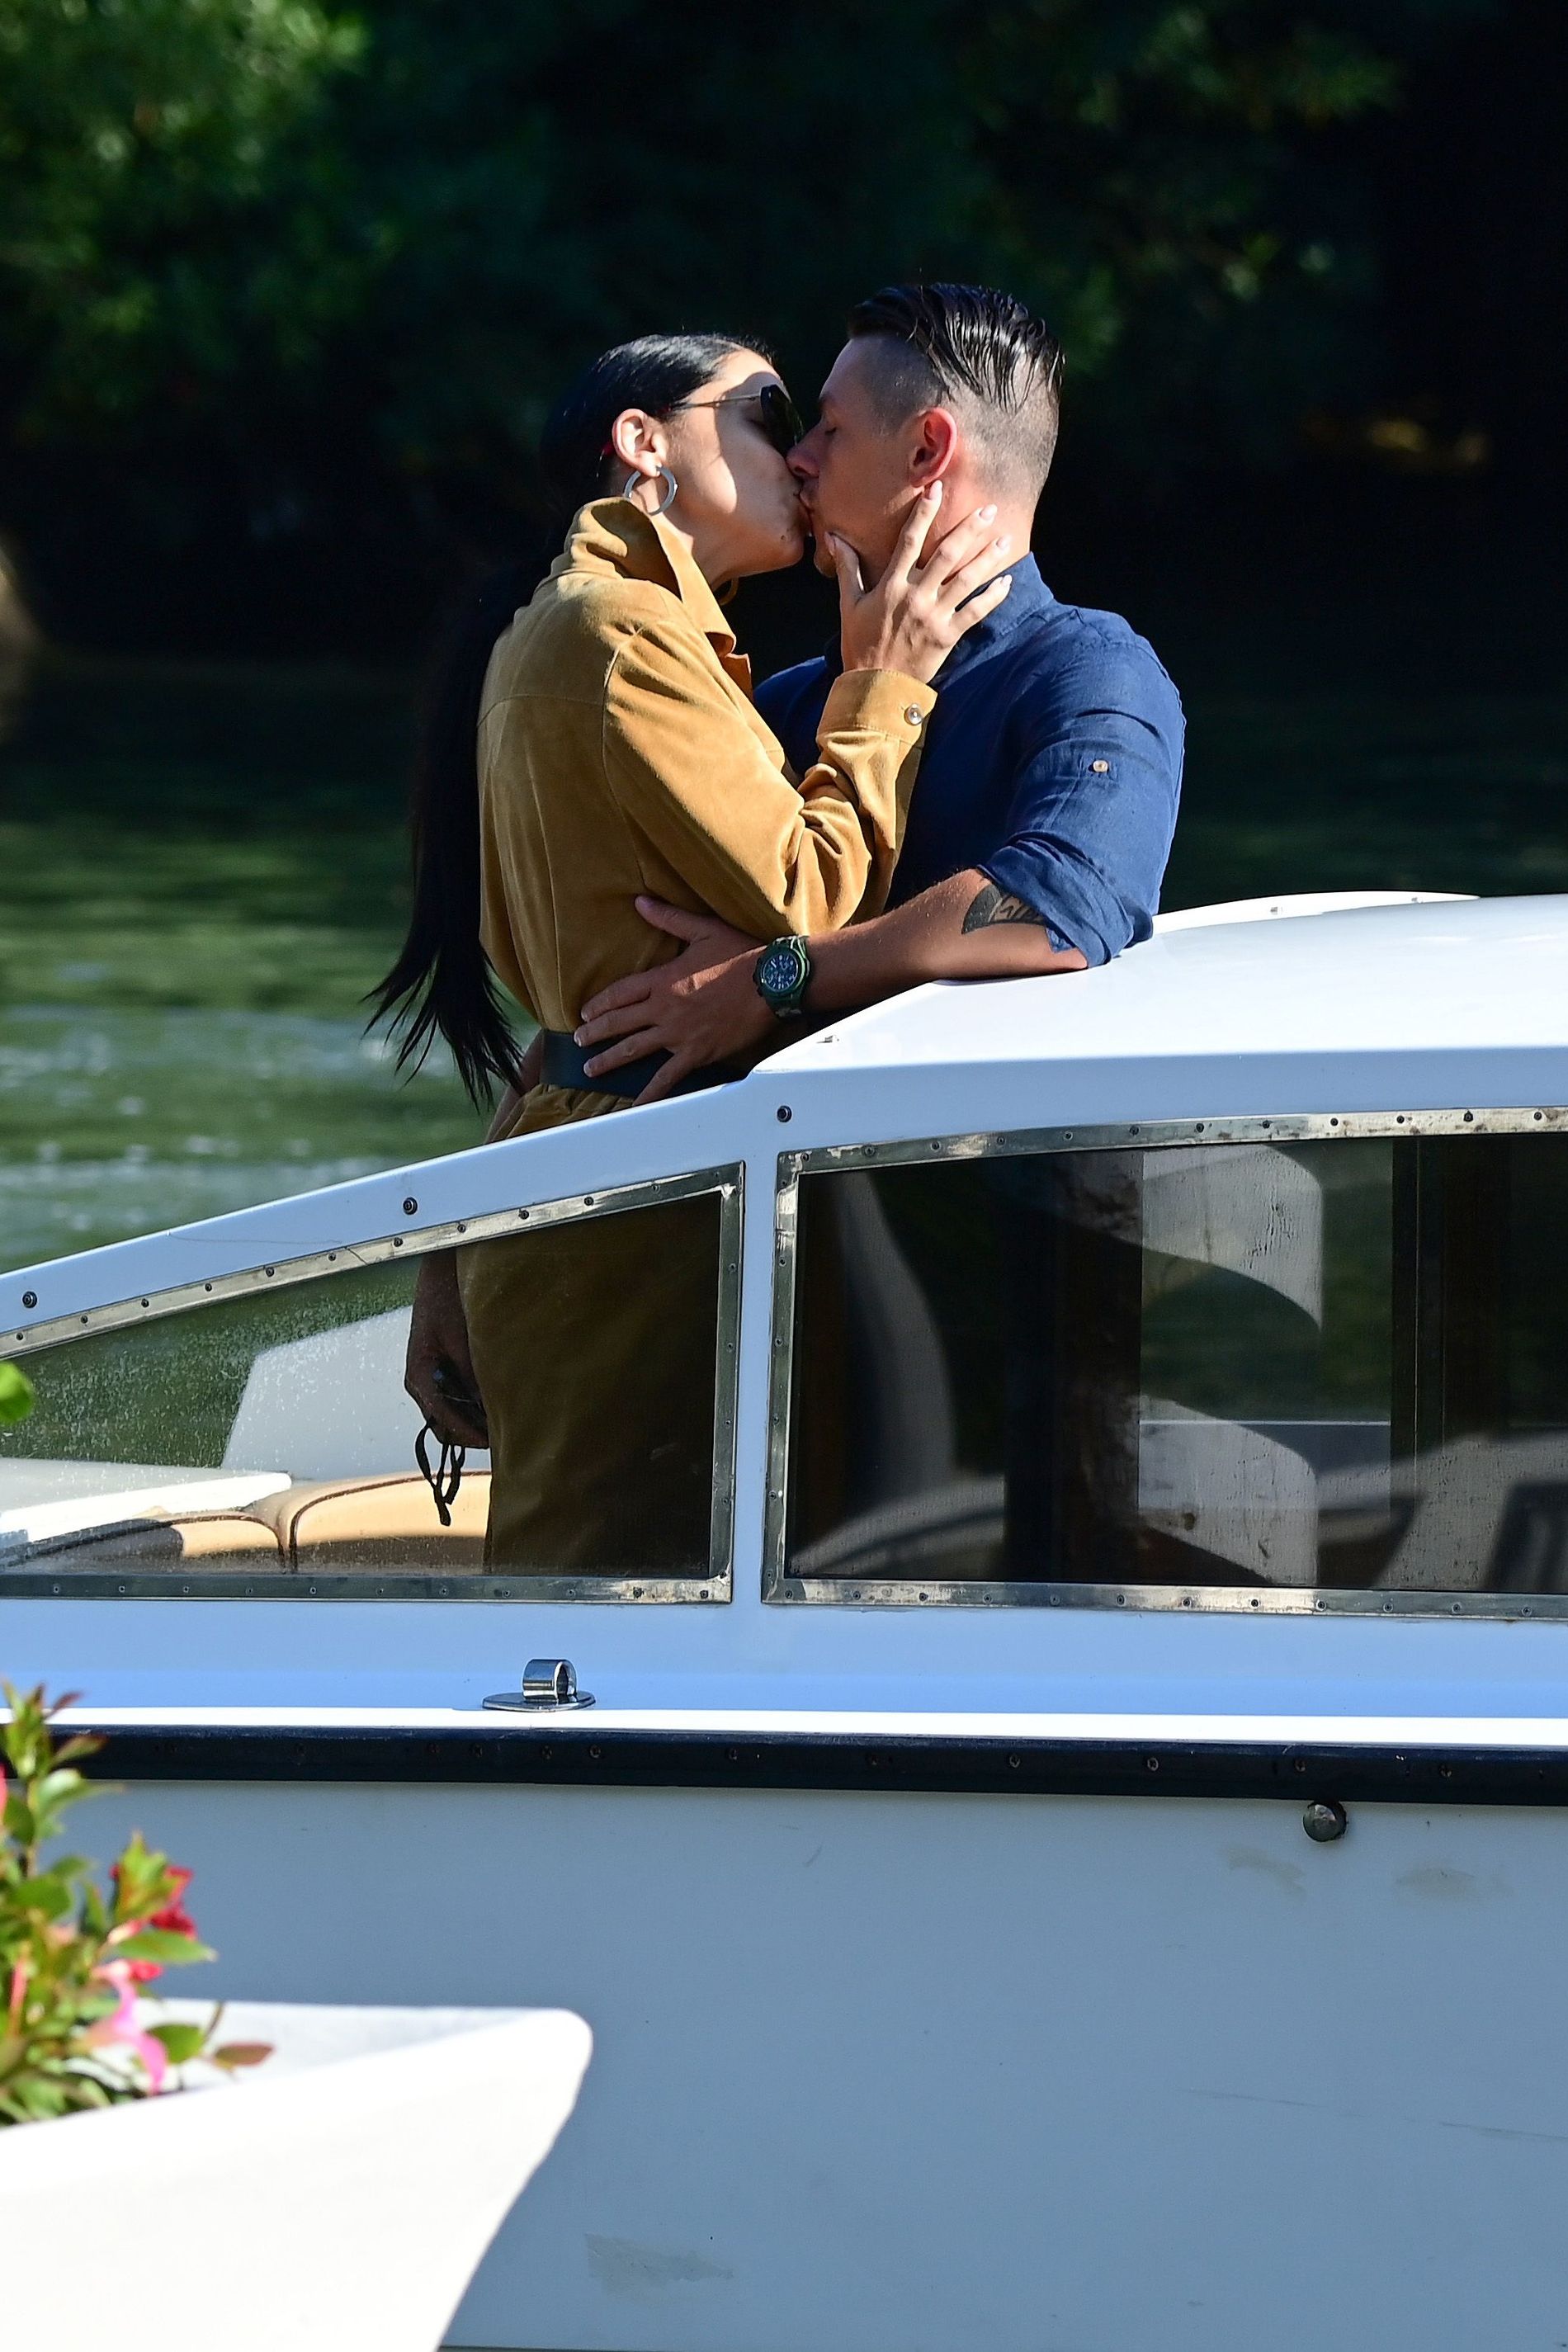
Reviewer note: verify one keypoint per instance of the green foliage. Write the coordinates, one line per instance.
(148, 229)
(70, 1959)
(15, 1396)
(321, 271)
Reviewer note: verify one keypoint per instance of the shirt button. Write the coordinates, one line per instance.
(913, 714)
(1100, 767)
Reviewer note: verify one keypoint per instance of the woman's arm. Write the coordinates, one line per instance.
(437, 1329)
(717, 799)
(716, 802)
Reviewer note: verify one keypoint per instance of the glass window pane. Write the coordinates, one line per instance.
(1245, 1365)
(271, 1433)
(595, 1344)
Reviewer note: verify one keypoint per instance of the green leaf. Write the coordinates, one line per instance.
(80, 1743)
(235, 2054)
(181, 2041)
(166, 1944)
(17, 1397)
(59, 1788)
(48, 1897)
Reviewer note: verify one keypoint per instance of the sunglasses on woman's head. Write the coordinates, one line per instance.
(777, 414)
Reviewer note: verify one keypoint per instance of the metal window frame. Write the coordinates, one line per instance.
(780, 1588)
(717, 1586)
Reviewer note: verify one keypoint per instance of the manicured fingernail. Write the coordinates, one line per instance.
(578, 1037)
(987, 514)
(933, 491)
(1006, 541)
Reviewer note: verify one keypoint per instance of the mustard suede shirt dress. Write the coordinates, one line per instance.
(619, 752)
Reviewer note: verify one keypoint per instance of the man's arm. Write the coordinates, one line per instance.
(1093, 804)
(964, 929)
(703, 1007)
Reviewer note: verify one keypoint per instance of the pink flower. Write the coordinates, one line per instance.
(173, 1914)
(174, 1917)
(121, 2028)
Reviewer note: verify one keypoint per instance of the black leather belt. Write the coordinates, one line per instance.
(563, 1060)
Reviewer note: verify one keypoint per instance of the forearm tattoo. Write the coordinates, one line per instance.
(994, 906)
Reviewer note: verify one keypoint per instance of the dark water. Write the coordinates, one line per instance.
(203, 874)
(202, 871)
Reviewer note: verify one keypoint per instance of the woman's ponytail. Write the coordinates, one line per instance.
(442, 984)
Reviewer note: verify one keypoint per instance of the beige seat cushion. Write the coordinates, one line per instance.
(215, 1540)
(328, 1526)
(222, 1540)
(339, 1525)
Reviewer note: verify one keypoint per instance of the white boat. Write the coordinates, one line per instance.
(1078, 1855)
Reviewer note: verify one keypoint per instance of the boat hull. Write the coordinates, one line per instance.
(1123, 2073)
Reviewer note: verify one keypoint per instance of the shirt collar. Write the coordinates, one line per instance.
(1027, 597)
(615, 535)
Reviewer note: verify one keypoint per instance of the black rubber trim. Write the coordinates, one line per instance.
(681, 1760)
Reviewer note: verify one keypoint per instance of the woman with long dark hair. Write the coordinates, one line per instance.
(589, 744)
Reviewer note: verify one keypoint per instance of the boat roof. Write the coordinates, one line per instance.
(1375, 975)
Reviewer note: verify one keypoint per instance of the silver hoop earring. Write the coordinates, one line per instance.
(669, 499)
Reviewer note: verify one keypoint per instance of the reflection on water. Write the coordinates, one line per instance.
(120, 1122)
(205, 871)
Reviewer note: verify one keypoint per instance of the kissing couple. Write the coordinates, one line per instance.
(668, 869)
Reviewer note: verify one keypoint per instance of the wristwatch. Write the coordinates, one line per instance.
(783, 974)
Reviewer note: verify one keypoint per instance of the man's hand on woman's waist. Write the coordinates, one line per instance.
(699, 1009)
(703, 1007)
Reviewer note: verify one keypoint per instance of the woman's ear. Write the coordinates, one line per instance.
(637, 440)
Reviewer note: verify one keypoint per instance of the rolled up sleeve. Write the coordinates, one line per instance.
(1094, 806)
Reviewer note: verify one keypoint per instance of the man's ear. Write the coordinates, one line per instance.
(936, 446)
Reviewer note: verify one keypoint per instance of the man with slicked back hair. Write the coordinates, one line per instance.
(1051, 772)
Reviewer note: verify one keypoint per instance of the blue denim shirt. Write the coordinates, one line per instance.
(1052, 762)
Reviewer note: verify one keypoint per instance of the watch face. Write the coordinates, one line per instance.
(782, 969)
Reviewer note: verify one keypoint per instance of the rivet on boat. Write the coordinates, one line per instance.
(1324, 1820)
